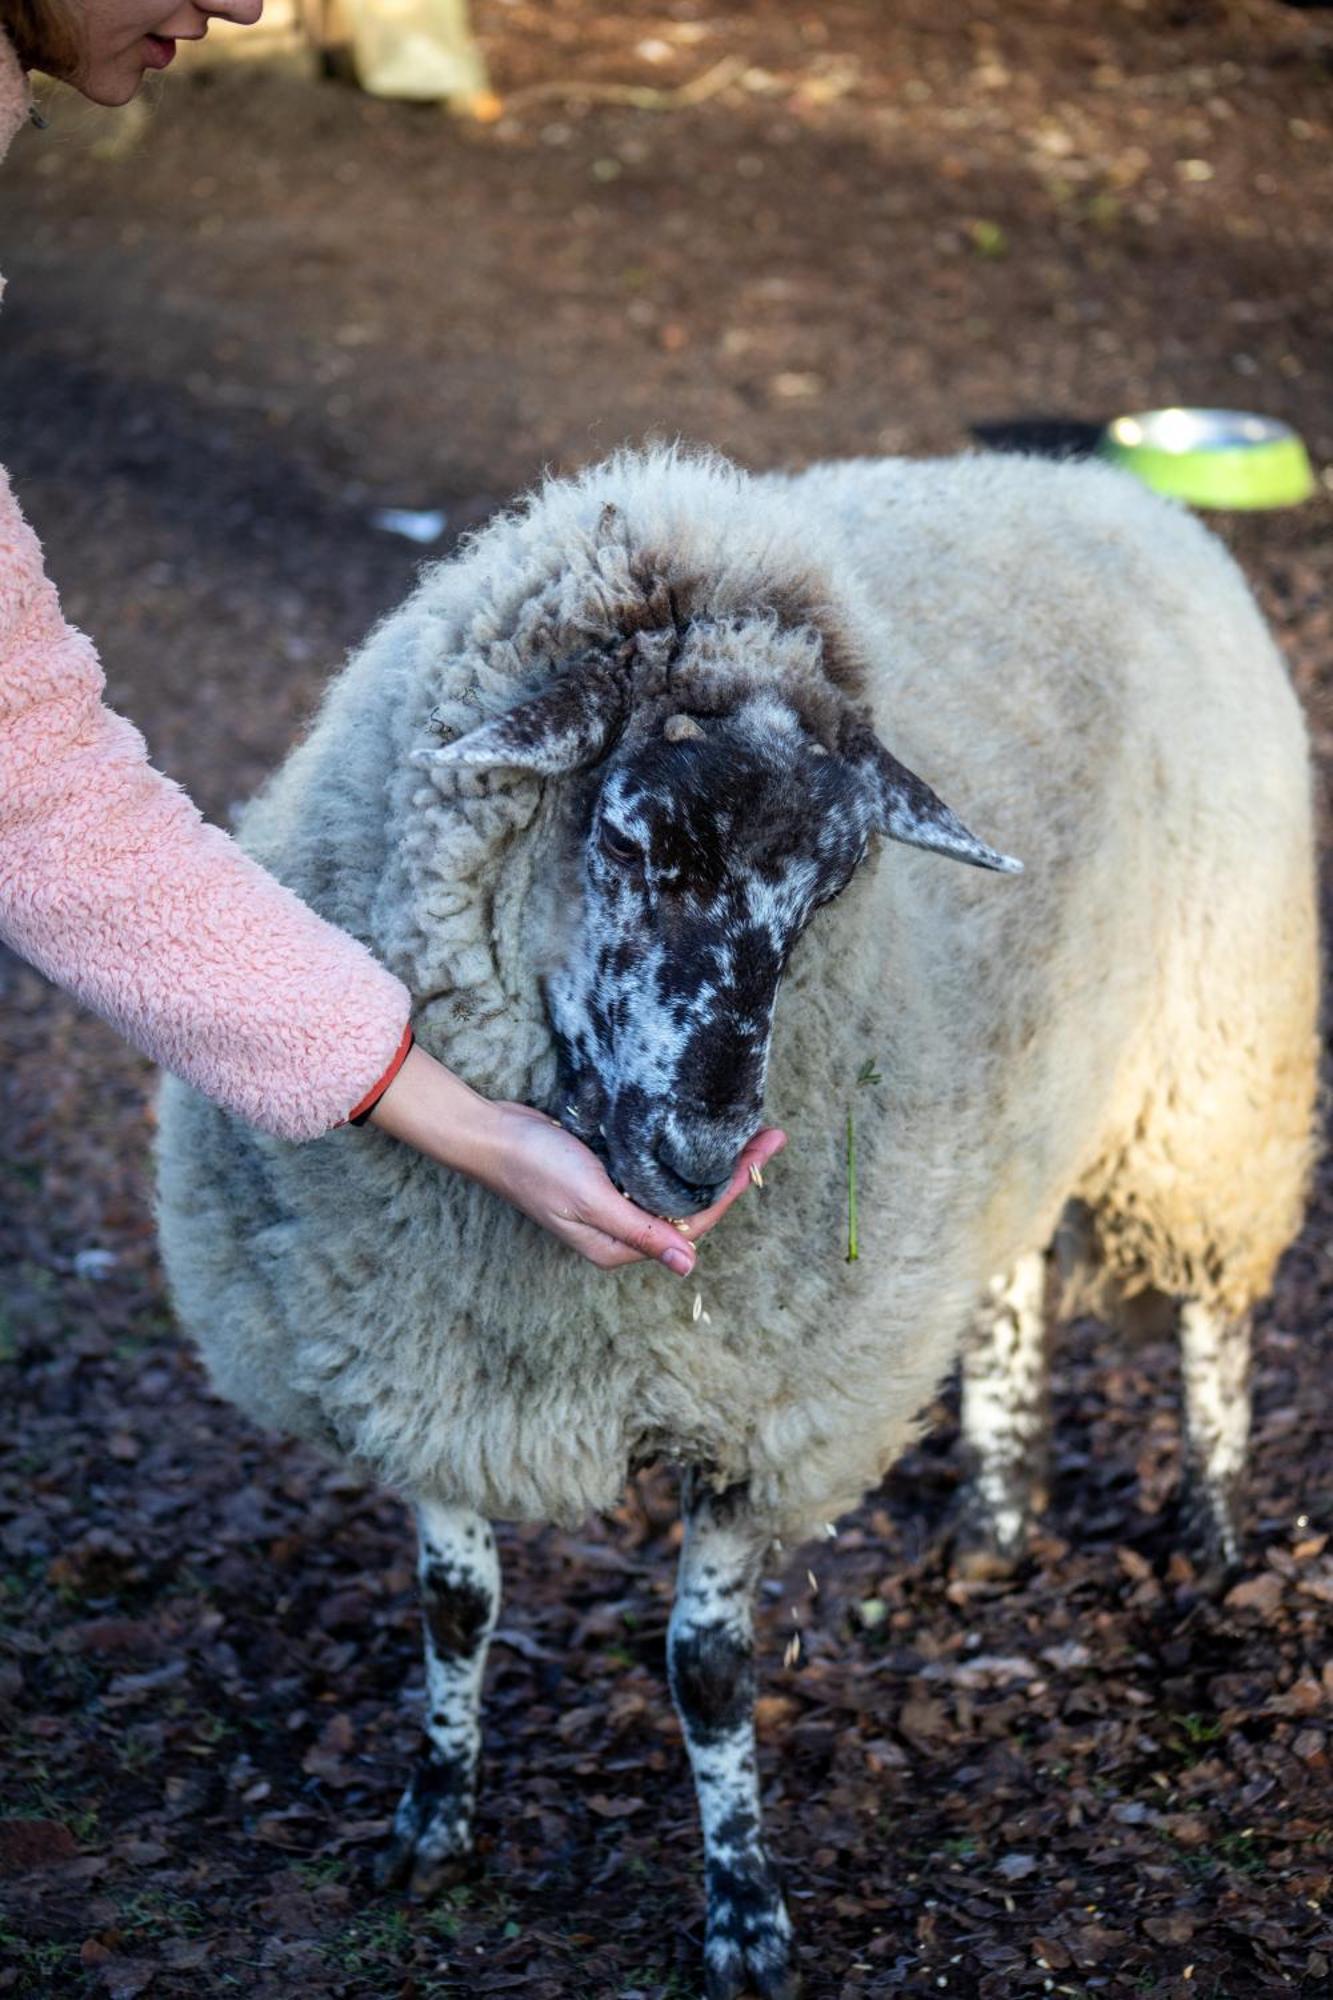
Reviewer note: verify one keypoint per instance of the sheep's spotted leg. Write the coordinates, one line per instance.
(1004, 1415)
(1215, 1363)
(710, 1656)
(459, 1574)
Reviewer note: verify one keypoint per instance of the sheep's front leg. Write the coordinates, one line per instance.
(710, 1655)
(1215, 1364)
(1004, 1415)
(459, 1573)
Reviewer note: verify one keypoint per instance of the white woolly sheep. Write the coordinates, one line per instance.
(583, 793)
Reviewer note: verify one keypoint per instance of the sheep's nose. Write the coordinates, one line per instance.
(703, 1173)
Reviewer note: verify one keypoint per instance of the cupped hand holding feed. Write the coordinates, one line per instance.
(533, 1163)
(554, 1178)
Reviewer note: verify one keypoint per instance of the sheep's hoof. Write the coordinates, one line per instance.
(749, 1944)
(733, 1979)
(1209, 1523)
(986, 1544)
(430, 1848)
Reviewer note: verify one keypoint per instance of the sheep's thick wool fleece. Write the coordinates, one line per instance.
(1078, 669)
(112, 884)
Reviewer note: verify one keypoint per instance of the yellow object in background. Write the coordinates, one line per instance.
(415, 49)
(1212, 458)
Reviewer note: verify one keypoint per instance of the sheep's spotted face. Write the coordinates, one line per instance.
(707, 848)
(704, 859)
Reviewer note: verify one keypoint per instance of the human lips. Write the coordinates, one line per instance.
(160, 50)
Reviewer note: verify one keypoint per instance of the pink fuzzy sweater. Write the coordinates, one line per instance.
(113, 885)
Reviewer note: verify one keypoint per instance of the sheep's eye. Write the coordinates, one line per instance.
(616, 848)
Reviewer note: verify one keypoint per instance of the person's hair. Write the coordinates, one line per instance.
(45, 33)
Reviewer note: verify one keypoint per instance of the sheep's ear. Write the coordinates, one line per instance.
(573, 723)
(907, 810)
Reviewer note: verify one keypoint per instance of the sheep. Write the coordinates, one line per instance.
(585, 792)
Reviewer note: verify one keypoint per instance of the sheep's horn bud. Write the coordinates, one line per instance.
(681, 729)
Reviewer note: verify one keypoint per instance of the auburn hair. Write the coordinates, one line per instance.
(46, 33)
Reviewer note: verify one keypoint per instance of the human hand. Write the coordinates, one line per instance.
(533, 1163)
(554, 1178)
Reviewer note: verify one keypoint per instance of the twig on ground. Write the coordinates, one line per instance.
(640, 97)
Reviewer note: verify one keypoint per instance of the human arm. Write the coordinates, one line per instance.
(115, 887)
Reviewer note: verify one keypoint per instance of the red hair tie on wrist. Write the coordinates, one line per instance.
(362, 1110)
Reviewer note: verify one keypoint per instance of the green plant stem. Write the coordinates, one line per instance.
(853, 1250)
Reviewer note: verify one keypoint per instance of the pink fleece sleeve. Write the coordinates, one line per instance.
(113, 885)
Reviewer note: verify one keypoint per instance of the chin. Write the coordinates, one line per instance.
(111, 87)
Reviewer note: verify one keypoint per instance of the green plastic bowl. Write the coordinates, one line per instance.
(1212, 458)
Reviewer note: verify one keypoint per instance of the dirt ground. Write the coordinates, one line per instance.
(234, 331)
